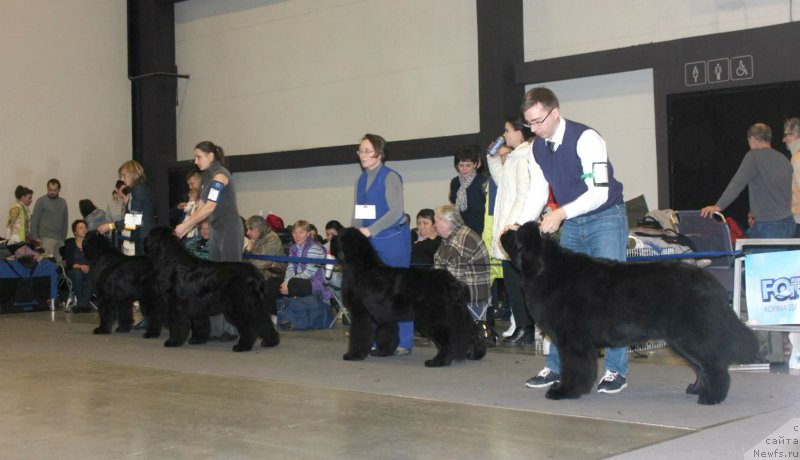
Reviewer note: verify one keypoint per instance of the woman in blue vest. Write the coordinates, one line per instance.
(379, 213)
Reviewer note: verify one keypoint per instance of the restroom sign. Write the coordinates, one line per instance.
(718, 70)
(695, 73)
(741, 67)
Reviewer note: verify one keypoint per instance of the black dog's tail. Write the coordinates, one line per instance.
(745, 343)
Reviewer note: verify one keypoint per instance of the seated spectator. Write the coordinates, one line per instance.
(262, 241)
(198, 244)
(314, 233)
(332, 229)
(427, 242)
(93, 216)
(464, 254)
(18, 224)
(78, 267)
(301, 279)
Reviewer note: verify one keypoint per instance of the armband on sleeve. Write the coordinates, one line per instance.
(215, 190)
(599, 174)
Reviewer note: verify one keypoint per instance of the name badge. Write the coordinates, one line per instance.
(365, 211)
(132, 221)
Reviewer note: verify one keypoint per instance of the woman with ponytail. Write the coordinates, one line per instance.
(218, 205)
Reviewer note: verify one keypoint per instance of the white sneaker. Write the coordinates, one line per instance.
(511, 328)
(611, 383)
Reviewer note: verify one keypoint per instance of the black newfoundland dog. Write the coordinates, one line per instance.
(583, 303)
(196, 289)
(118, 281)
(378, 296)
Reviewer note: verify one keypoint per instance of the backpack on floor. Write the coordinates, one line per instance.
(303, 313)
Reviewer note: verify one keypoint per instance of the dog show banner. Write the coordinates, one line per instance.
(773, 288)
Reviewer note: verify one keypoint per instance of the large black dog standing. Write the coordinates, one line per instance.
(583, 303)
(196, 289)
(118, 281)
(378, 296)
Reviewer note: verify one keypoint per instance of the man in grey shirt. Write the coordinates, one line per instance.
(49, 220)
(767, 174)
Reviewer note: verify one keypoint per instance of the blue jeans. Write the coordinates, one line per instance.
(81, 286)
(605, 235)
(784, 228)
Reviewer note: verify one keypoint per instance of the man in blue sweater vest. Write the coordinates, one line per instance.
(573, 160)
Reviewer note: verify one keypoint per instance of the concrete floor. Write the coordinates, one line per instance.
(69, 394)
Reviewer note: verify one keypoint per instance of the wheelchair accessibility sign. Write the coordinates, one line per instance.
(742, 67)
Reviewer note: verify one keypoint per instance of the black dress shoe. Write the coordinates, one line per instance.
(522, 336)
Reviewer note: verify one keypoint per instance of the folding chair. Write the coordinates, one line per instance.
(333, 280)
(66, 294)
(710, 235)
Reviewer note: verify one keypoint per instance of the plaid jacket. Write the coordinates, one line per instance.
(464, 255)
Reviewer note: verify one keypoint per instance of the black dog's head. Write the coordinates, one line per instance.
(96, 245)
(524, 247)
(354, 247)
(158, 240)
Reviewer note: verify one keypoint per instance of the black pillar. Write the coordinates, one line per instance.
(151, 68)
(500, 50)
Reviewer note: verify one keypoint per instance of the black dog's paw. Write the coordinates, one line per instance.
(435, 362)
(173, 343)
(709, 399)
(271, 342)
(558, 391)
(197, 340)
(123, 329)
(693, 389)
(354, 356)
(238, 348)
(151, 334)
(101, 330)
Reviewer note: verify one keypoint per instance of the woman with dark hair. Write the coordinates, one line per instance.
(423, 249)
(140, 205)
(19, 216)
(378, 214)
(93, 216)
(332, 229)
(78, 267)
(218, 205)
(509, 169)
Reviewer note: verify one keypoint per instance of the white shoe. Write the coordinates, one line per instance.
(511, 328)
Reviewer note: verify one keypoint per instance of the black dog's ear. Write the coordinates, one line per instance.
(528, 244)
(509, 242)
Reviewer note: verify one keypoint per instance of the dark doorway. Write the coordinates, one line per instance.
(708, 139)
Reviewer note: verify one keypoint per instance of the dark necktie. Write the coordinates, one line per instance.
(551, 146)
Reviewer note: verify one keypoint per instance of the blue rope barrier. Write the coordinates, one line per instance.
(685, 255)
(302, 260)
